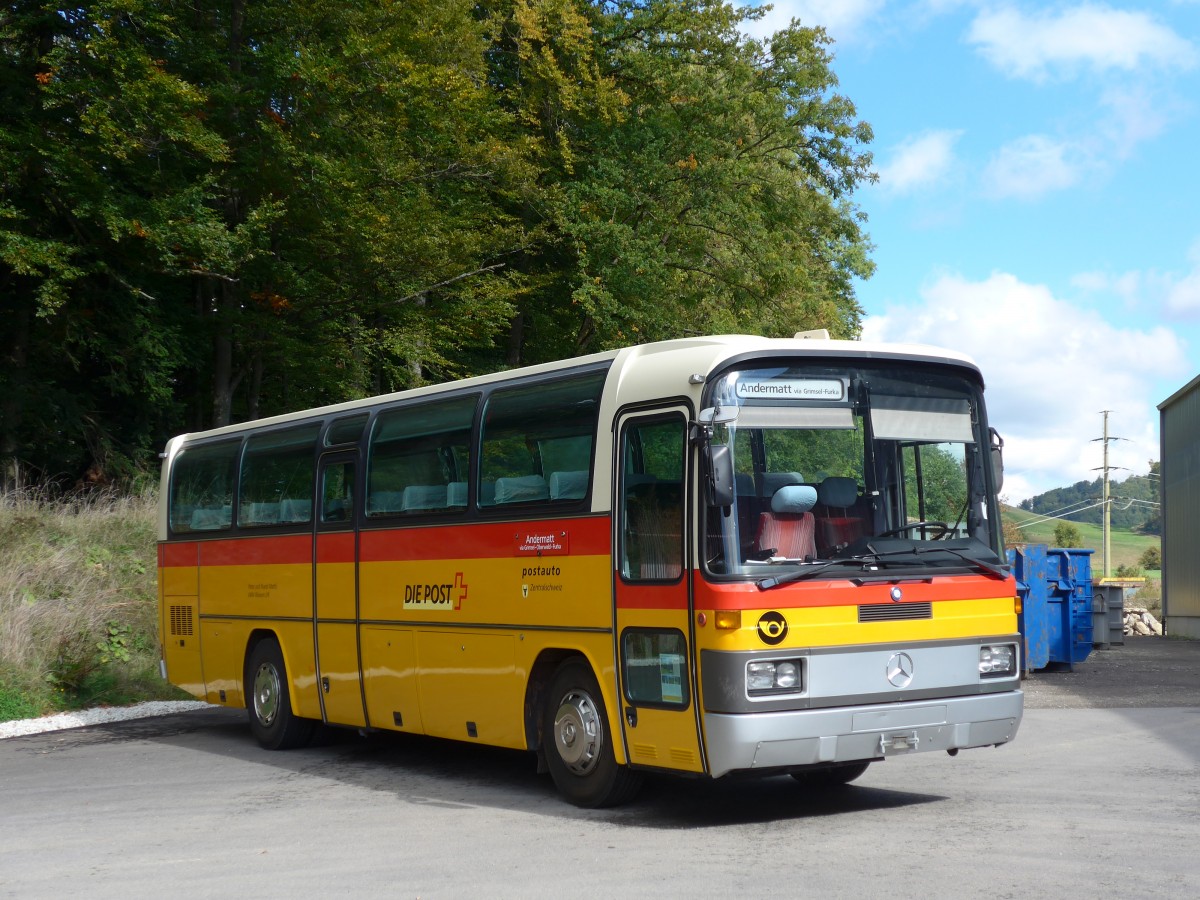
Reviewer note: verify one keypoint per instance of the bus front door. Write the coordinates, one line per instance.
(651, 590)
(336, 586)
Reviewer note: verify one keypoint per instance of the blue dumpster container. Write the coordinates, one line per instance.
(1029, 568)
(1071, 570)
(1055, 588)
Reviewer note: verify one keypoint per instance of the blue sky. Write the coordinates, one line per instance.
(1038, 206)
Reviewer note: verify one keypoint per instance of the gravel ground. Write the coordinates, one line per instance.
(60, 721)
(1143, 672)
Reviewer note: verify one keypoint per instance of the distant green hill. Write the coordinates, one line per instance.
(1134, 502)
(1127, 546)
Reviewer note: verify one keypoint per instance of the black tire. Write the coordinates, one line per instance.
(831, 776)
(269, 701)
(577, 742)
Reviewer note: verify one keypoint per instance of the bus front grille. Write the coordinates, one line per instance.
(895, 612)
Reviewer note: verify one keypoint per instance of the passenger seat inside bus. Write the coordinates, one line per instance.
(841, 516)
(420, 497)
(570, 485)
(456, 494)
(788, 530)
(521, 489)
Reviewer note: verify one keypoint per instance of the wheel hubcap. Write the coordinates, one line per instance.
(578, 732)
(266, 693)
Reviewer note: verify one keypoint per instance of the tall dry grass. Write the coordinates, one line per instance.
(78, 616)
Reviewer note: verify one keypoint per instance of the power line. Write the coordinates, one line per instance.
(1047, 518)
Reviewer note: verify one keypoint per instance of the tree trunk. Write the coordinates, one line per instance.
(223, 380)
(516, 340)
(255, 392)
(12, 403)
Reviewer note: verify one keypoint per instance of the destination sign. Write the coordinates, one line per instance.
(792, 389)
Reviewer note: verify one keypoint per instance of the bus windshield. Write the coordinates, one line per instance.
(843, 469)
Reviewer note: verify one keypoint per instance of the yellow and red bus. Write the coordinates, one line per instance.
(707, 556)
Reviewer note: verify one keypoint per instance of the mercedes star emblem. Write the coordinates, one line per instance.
(900, 670)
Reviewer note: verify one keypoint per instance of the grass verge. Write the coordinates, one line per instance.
(78, 603)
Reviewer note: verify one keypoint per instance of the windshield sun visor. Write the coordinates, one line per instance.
(822, 417)
(927, 419)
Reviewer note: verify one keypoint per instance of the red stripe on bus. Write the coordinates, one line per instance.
(805, 594)
(672, 598)
(335, 548)
(178, 555)
(582, 537)
(258, 551)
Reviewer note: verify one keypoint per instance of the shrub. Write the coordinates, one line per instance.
(1066, 534)
(1151, 559)
(78, 601)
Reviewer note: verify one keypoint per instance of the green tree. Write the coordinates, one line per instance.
(1151, 558)
(1066, 534)
(103, 152)
(213, 211)
(692, 181)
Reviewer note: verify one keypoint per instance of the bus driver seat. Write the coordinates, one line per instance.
(841, 521)
(789, 528)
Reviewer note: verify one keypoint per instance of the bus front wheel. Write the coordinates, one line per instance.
(269, 701)
(577, 742)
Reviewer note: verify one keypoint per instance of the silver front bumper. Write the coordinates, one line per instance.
(804, 737)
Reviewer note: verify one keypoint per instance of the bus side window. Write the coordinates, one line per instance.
(278, 468)
(419, 458)
(537, 442)
(652, 500)
(202, 488)
(337, 493)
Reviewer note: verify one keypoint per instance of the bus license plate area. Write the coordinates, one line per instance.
(898, 742)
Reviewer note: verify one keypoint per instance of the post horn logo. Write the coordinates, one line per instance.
(772, 628)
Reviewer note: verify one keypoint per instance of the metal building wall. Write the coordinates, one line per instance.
(1179, 433)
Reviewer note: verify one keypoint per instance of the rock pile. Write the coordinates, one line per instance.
(1138, 620)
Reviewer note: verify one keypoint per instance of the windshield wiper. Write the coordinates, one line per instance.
(873, 559)
(986, 566)
(865, 560)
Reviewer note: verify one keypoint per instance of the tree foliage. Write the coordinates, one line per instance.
(1151, 558)
(1134, 505)
(1067, 535)
(214, 211)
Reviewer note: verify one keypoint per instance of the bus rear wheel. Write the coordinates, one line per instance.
(269, 701)
(577, 743)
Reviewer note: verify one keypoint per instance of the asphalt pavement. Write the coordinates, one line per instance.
(1099, 795)
(1143, 672)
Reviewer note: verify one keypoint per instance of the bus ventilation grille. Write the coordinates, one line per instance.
(181, 621)
(895, 612)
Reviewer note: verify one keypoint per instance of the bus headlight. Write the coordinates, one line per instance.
(775, 676)
(997, 660)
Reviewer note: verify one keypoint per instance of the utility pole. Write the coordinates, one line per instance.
(1107, 504)
(1107, 500)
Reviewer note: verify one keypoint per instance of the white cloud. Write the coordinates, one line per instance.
(1134, 116)
(1050, 367)
(1182, 298)
(1030, 45)
(841, 18)
(919, 161)
(1032, 166)
(1174, 294)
